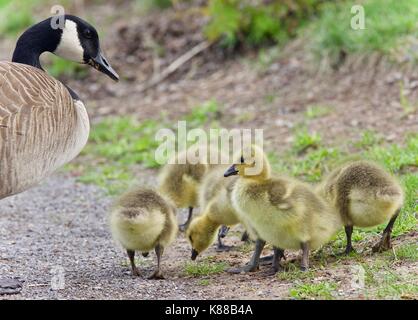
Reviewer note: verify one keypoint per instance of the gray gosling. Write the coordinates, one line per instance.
(180, 180)
(364, 195)
(142, 220)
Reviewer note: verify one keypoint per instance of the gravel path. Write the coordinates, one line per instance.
(54, 237)
(58, 228)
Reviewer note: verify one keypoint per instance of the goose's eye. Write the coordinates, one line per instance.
(242, 159)
(87, 34)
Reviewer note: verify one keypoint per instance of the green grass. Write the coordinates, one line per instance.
(322, 290)
(119, 146)
(310, 167)
(204, 282)
(59, 67)
(293, 273)
(305, 140)
(406, 252)
(116, 146)
(154, 4)
(383, 282)
(368, 139)
(388, 26)
(254, 23)
(203, 114)
(15, 16)
(317, 111)
(204, 268)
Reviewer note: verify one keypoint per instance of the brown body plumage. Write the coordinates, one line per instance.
(41, 126)
(365, 195)
(142, 220)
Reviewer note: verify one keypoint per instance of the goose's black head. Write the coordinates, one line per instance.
(66, 36)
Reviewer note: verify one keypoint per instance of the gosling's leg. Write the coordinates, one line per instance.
(385, 241)
(245, 237)
(305, 256)
(159, 249)
(349, 247)
(223, 231)
(255, 259)
(184, 226)
(131, 255)
(277, 257)
(221, 234)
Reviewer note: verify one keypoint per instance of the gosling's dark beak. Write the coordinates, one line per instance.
(232, 171)
(100, 63)
(194, 254)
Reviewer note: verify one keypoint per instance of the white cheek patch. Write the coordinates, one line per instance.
(70, 47)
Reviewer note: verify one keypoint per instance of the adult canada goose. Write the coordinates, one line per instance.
(43, 123)
(280, 210)
(365, 195)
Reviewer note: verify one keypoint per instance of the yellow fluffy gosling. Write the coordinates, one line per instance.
(365, 195)
(282, 211)
(180, 182)
(142, 220)
(215, 199)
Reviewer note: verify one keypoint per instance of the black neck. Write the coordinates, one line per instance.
(36, 40)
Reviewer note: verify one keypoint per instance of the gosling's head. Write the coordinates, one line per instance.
(250, 163)
(200, 235)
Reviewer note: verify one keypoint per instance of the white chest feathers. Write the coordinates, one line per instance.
(82, 130)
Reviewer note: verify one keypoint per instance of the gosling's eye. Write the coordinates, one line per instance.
(242, 159)
(88, 34)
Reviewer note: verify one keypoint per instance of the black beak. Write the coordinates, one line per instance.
(194, 254)
(100, 63)
(232, 171)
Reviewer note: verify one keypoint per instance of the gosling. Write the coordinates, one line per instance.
(215, 198)
(179, 181)
(142, 220)
(282, 211)
(364, 195)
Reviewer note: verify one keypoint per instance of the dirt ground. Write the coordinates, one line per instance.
(61, 224)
